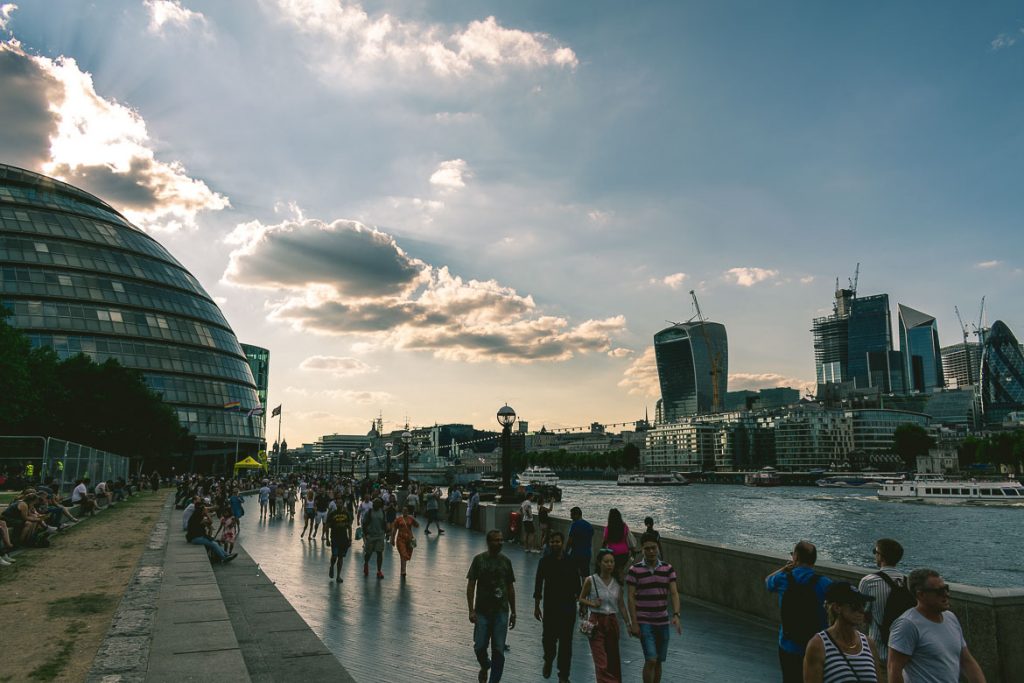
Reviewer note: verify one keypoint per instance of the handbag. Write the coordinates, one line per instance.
(359, 533)
(412, 542)
(587, 625)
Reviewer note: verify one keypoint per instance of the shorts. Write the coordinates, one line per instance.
(339, 544)
(528, 527)
(432, 515)
(310, 513)
(321, 517)
(654, 641)
(373, 545)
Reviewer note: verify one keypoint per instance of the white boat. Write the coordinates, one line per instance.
(653, 479)
(767, 476)
(935, 488)
(863, 481)
(537, 476)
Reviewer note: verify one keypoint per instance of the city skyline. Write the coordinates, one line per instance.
(431, 211)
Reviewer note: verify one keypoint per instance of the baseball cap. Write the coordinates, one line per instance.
(844, 593)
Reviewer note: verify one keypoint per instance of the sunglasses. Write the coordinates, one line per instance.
(940, 590)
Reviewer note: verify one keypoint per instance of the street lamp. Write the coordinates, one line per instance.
(352, 464)
(506, 416)
(366, 454)
(387, 461)
(406, 440)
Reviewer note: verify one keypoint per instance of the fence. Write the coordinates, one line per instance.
(30, 459)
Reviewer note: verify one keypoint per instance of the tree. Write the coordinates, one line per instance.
(910, 441)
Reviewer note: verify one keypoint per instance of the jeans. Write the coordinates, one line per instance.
(654, 641)
(491, 628)
(210, 544)
(559, 628)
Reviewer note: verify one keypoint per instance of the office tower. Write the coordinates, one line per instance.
(922, 355)
(259, 363)
(693, 365)
(961, 364)
(870, 330)
(77, 277)
(886, 371)
(845, 340)
(1002, 374)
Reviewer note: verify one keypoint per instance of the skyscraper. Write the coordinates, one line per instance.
(845, 341)
(961, 364)
(922, 355)
(1002, 374)
(259, 363)
(693, 366)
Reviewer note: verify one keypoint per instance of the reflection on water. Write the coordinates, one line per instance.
(973, 544)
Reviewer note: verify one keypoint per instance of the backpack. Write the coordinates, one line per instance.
(900, 600)
(800, 610)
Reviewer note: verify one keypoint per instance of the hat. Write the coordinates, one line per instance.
(844, 593)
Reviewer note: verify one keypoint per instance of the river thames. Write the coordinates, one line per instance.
(972, 544)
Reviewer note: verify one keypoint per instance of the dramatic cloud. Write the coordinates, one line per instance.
(451, 175)
(988, 264)
(348, 40)
(641, 377)
(339, 366)
(748, 277)
(165, 14)
(343, 278)
(673, 281)
(55, 123)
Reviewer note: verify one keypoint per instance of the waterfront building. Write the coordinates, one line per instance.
(810, 437)
(693, 366)
(746, 399)
(843, 341)
(922, 355)
(961, 364)
(957, 409)
(1002, 374)
(687, 445)
(737, 440)
(886, 372)
(77, 277)
(259, 364)
(873, 431)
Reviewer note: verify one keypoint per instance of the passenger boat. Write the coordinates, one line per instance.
(537, 476)
(653, 479)
(765, 477)
(864, 481)
(935, 488)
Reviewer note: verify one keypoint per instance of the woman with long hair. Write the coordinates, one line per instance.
(602, 594)
(841, 653)
(404, 540)
(617, 539)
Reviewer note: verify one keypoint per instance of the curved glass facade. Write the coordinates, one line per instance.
(79, 278)
(1002, 374)
(685, 355)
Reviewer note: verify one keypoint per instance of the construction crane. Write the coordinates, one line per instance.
(715, 356)
(853, 282)
(967, 349)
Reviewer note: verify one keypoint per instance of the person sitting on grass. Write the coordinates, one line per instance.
(198, 533)
(80, 496)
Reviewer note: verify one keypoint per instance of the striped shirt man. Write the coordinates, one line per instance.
(875, 586)
(652, 584)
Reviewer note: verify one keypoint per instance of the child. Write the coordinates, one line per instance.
(227, 529)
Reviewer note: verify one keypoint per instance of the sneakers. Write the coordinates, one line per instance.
(339, 579)
(426, 531)
(440, 531)
(4, 563)
(380, 575)
(366, 570)
(230, 557)
(7, 558)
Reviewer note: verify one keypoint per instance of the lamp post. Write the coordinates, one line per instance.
(506, 416)
(352, 464)
(366, 454)
(406, 440)
(387, 461)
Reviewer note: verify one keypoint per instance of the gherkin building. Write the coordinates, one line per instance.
(79, 278)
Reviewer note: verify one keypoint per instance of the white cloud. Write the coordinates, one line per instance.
(620, 352)
(451, 175)
(6, 9)
(57, 124)
(768, 380)
(339, 366)
(673, 281)
(348, 40)
(748, 277)
(807, 279)
(343, 278)
(988, 264)
(1003, 41)
(600, 217)
(167, 14)
(641, 377)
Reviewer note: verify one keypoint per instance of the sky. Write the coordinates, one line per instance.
(426, 210)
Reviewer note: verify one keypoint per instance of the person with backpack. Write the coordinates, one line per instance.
(801, 593)
(888, 588)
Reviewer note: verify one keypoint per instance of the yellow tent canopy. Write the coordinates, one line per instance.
(249, 464)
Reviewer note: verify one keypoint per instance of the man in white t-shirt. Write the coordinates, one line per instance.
(888, 552)
(927, 642)
(526, 509)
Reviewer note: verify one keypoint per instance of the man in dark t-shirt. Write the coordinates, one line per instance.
(491, 596)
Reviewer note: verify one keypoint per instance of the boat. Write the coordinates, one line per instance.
(935, 488)
(653, 479)
(537, 476)
(767, 476)
(845, 481)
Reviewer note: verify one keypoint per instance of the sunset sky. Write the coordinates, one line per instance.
(426, 210)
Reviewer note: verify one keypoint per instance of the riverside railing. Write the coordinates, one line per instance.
(26, 460)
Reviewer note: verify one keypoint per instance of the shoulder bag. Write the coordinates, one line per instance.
(587, 625)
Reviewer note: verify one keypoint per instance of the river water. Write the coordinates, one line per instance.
(972, 544)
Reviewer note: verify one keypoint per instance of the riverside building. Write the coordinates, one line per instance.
(77, 277)
(693, 365)
(1002, 374)
(922, 355)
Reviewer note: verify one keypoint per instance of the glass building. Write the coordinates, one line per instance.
(961, 364)
(79, 278)
(922, 355)
(1002, 374)
(693, 367)
(851, 344)
(259, 364)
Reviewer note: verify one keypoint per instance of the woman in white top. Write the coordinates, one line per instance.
(841, 653)
(603, 595)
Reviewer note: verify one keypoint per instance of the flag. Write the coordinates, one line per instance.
(255, 410)
(275, 412)
(233, 406)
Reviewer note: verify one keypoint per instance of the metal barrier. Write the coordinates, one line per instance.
(26, 460)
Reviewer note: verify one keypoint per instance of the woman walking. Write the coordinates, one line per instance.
(619, 540)
(602, 593)
(308, 512)
(841, 653)
(404, 539)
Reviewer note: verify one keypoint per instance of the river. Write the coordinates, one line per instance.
(972, 544)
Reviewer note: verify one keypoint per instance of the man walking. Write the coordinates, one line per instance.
(651, 583)
(433, 505)
(581, 541)
(558, 584)
(802, 602)
(491, 595)
(927, 642)
(885, 584)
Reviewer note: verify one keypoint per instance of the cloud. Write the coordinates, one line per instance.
(6, 9)
(1002, 41)
(641, 377)
(55, 123)
(344, 278)
(348, 41)
(748, 277)
(988, 264)
(363, 397)
(807, 279)
(768, 380)
(620, 352)
(600, 217)
(451, 175)
(673, 281)
(339, 366)
(170, 14)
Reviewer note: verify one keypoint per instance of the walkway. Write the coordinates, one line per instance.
(417, 629)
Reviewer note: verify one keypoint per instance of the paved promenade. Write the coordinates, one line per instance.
(417, 630)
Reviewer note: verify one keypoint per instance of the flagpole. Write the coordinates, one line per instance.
(280, 451)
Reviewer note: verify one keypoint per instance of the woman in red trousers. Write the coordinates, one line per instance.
(602, 593)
